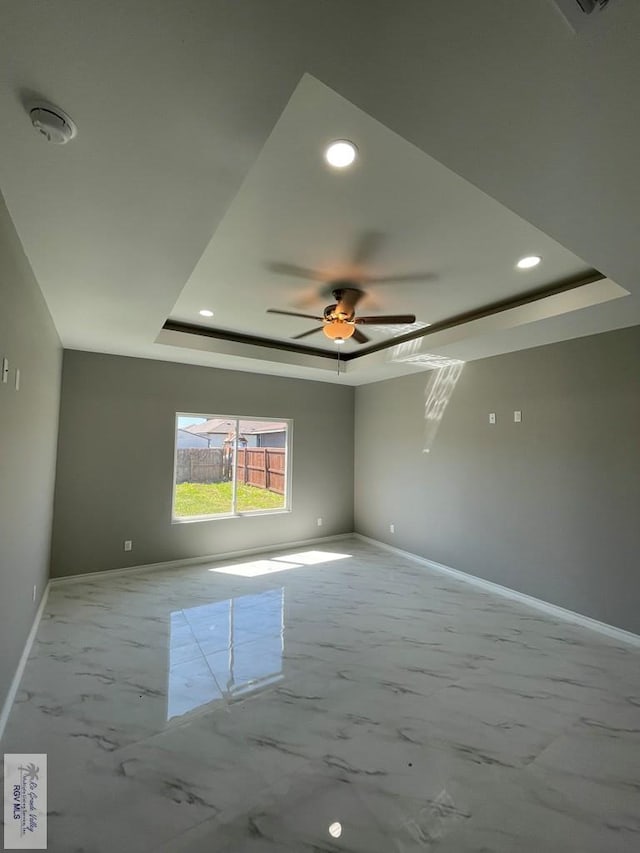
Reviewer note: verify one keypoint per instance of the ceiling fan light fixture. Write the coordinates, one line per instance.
(528, 262)
(341, 153)
(338, 330)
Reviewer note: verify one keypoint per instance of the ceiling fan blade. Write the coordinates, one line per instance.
(400, 279)
(304, 334)
(366, 247)
(385, 319)
(295, 271)
(293, 314)
(360, 337)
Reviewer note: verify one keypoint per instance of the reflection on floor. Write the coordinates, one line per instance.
(359, 703)
(224, 649)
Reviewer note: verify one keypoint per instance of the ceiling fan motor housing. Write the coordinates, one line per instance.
(339, 320)
(338, 312)
(347, 297)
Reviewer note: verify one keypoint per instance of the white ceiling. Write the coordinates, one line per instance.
(292, 208)
(176, 190)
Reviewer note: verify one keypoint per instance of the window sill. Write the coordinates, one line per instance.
(229, 515)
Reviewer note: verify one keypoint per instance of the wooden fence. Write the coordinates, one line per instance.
(263, 467)
(199, 465)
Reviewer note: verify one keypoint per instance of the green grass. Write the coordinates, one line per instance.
(215, 498)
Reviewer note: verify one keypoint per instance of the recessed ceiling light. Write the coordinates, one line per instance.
(335, 829)
(528, 262)
(341, 153)
(206, 313)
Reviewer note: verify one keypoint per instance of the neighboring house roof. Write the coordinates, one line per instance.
(190, 439)
(225, 426)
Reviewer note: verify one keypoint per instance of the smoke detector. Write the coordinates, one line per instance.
(54, 124)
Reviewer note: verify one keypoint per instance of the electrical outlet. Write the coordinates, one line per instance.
(392, 528)
(128, 544)
(319, 522)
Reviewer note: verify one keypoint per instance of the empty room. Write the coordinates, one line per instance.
(319, 407)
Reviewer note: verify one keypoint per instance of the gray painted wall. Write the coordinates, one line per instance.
(28, 431)
(115, 482)
(550, 506)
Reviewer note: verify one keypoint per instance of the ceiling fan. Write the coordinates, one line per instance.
(339, 321)
(353, 274)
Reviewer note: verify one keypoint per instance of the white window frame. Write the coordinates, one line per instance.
(234, 513)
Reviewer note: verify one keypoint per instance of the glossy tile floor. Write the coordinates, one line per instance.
(340, 699)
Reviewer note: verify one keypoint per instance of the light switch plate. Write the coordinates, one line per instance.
(492, 417)
(5, 370)
(517, 416)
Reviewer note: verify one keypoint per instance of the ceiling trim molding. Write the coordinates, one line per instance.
(489, 310)
(457, 320)
(242, 338)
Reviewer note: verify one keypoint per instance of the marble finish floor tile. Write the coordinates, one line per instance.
(352, 701)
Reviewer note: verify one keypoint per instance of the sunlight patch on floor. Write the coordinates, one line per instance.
(256, 568)
(311, 558)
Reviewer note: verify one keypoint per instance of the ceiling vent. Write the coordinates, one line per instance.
(580, 12)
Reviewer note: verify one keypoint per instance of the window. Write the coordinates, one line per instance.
(229, 466)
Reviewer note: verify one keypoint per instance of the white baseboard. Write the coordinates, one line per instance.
(536, 603)
(17, 678)
(197, 561)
